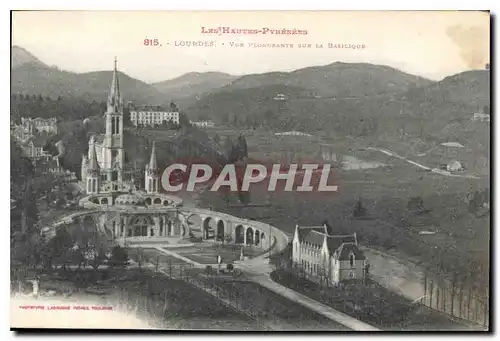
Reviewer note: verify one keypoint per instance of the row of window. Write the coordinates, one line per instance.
(168, 231)
(308, 251)
(311, 267)
(316, 254)
(92, 185)
(153, 114)
(150, 122)
(156, 120)
(152, 185)
(115, 125)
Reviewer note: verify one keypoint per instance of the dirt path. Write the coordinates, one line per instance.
(434, 170)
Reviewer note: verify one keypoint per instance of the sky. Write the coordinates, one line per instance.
(429, 44)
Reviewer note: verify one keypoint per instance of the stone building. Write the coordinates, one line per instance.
(38, 125)
(152, 117)
(102, 168)
(324, 256)
(33, 148)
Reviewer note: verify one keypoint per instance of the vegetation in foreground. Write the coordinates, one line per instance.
(368, 302)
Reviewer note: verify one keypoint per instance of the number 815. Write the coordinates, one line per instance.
(151, 42)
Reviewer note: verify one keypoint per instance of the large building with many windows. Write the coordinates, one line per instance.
(321, 255)
(152, 117)
(38, 125)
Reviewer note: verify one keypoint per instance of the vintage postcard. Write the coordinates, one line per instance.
(250, 171)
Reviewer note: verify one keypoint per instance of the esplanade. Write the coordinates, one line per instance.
(138, 216)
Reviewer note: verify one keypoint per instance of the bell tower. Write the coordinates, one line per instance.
(152, 173)
(93, 176)
(112, 153)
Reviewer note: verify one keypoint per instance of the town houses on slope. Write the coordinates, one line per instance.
(33, 125)
(324, 256)
(33, 135)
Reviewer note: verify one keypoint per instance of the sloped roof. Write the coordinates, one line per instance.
(152, 161)
(99, 138)
(335, 242)
(315, 235)
(345, 250)
(93, 164)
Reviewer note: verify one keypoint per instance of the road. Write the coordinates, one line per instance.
(257, 271)
(433, 170)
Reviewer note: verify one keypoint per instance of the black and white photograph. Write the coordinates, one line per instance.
(246, 171)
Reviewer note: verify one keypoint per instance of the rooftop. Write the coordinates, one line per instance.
(315, 235)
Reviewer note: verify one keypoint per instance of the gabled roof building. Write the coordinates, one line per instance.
(322, 255)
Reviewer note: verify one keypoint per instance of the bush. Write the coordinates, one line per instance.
(119, 256)
(230, 267)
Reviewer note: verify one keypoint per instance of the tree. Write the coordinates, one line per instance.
(61, 246)
(141, 257)
(119, 256)
(95, 255)
(173, 107)
(229, 149)
(359, 211)
(29, 215)
(242, 146)
(244, 197)
(416, 205)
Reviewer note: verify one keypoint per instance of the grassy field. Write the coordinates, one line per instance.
(165, 303)
(384, 192)
(370, 303)
(279, 311)
(203, 254)
(460, 241)
(207, 254)
(261, 302)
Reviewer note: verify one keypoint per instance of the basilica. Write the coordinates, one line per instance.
(103, 168)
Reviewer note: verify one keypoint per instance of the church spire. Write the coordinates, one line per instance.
(153, 165)
(114, 96)
(93, 164)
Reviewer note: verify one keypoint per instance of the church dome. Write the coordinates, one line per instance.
(129, 199)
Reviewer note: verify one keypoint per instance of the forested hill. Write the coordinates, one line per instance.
(62, 108)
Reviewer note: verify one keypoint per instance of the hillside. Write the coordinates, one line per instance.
(423, 110)
(244, 106)
(347, 98)
(32, 77)
(21, 57)
(469, 87)
(337, 80)
(193, 84)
